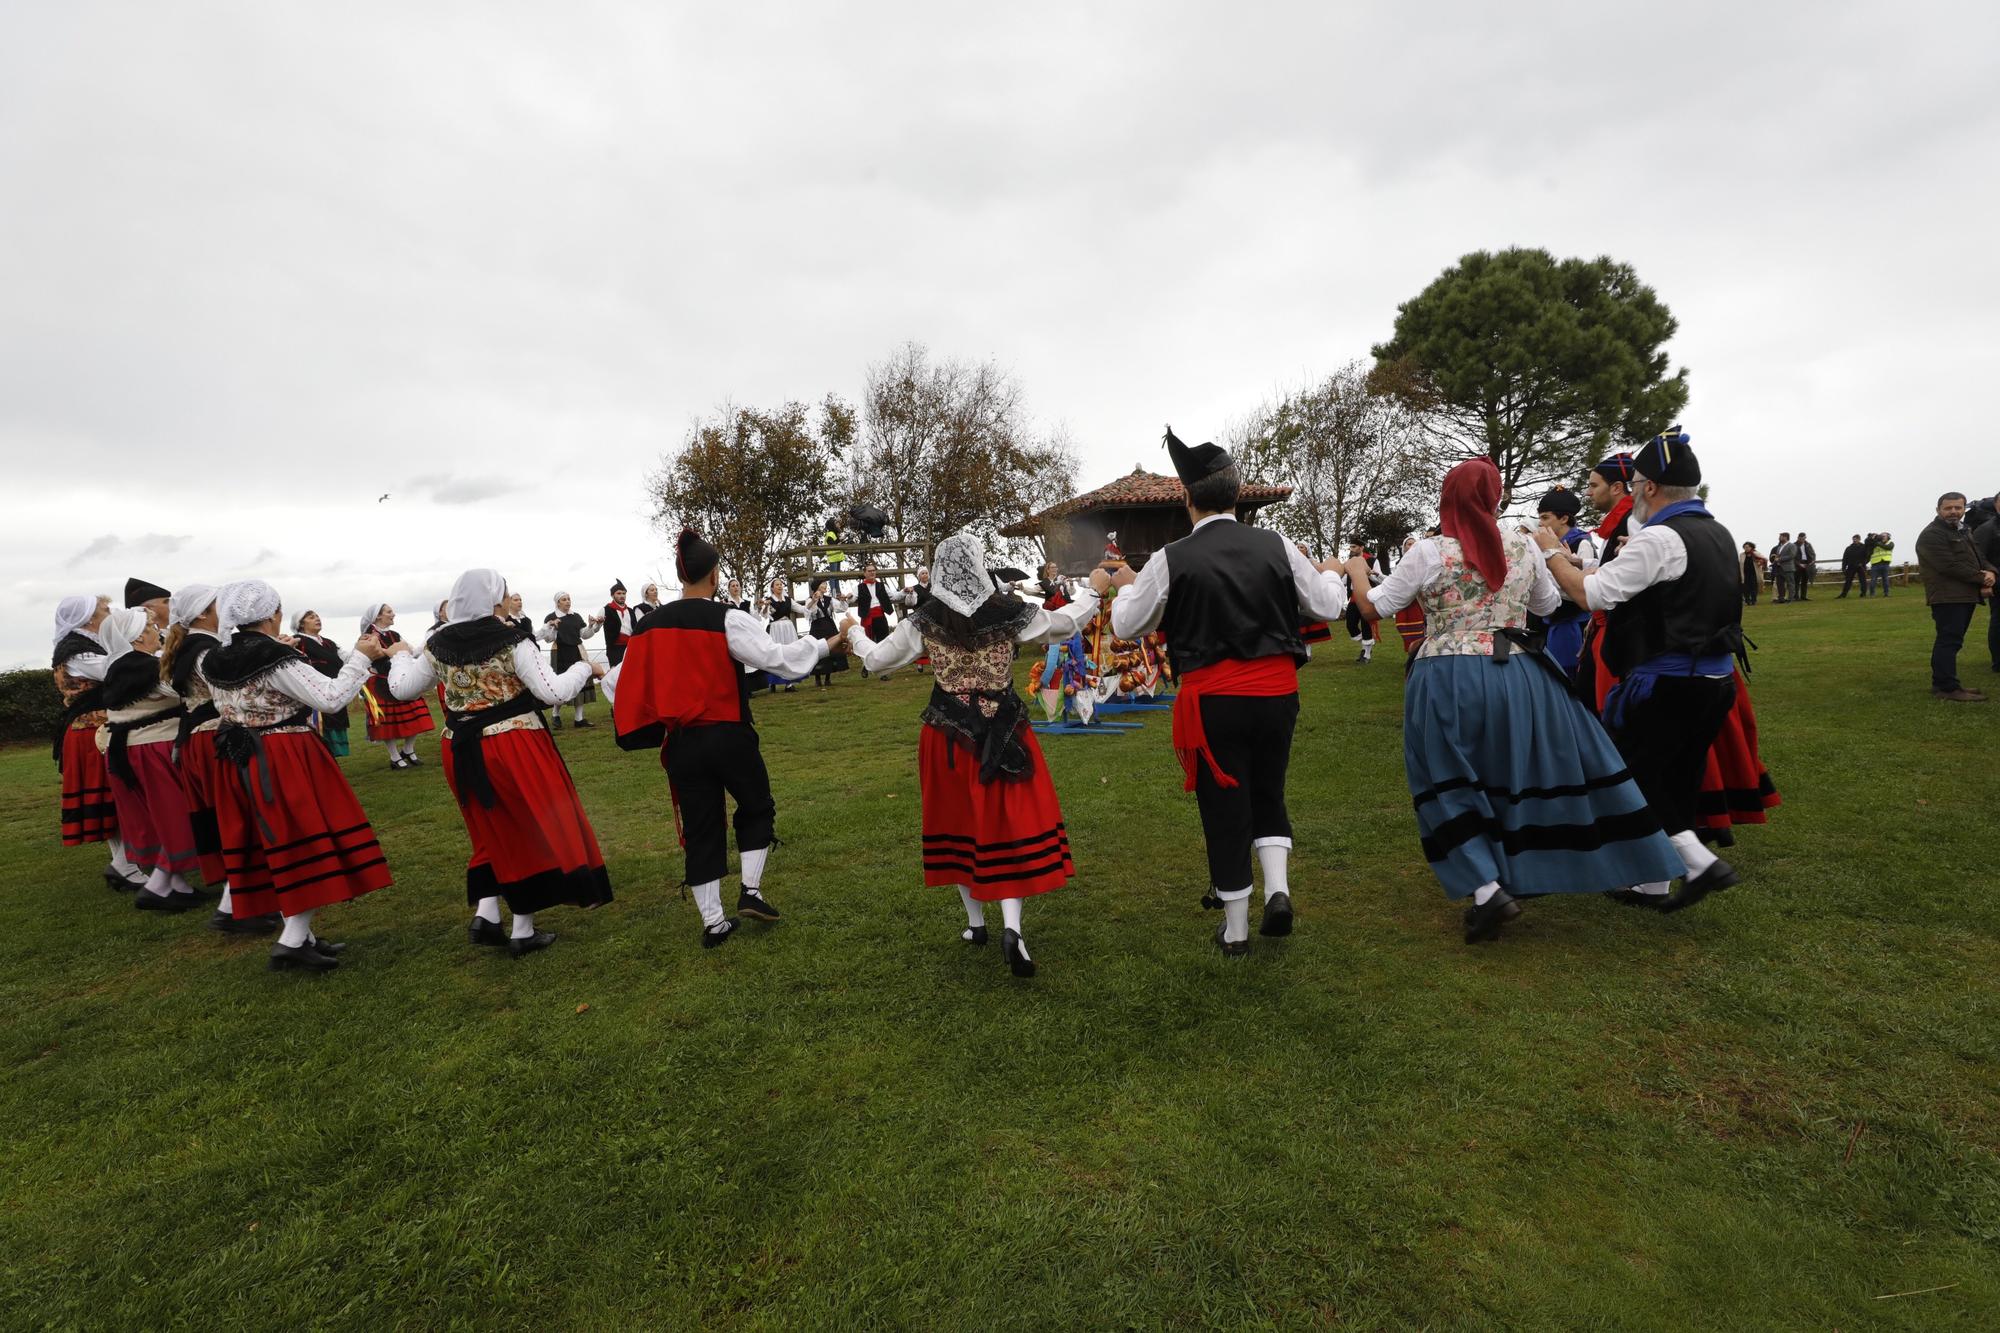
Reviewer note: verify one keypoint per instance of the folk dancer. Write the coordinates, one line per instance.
(87, 811)
(1517, 789)
(532, 845)
(567, 630)
(142, 717)
(992, 827)
(396, 723)
(681, 691)
(1229, 598)
(294, 838)
(1674, 612)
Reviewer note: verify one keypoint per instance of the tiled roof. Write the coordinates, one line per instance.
(1137, 488)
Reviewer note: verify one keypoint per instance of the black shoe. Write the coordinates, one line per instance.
(1483, 920)
(1209, 902)
(397, 765)
(285, 957)
(485, 932)
(585, 723)
(1277, 915)
(541, 939)
(751, 903)
(147, 901)
(883, 676)
(1230, 950)
(712, 936)
(412, 760)
(1634, 898)
(793, 689)
(195, 898)
(1715, 879)
(1017, 958)
(224, 923)
(327, 947)
(557, 724)
(117, 882)
(973, 934)
(267, 923)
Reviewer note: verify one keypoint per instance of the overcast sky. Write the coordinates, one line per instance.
(261, 263)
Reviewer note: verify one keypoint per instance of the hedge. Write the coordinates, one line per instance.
(30, 708)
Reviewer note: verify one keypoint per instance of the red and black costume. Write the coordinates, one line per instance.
(88, 812)
(390, 718)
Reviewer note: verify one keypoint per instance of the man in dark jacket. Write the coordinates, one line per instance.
(1808, 566)
(1986, 541)
(1854, 565)
(1956, 580)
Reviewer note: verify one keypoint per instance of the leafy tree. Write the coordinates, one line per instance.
(753, 482)
(1352, 453)
(948, 445)
(1539, 364)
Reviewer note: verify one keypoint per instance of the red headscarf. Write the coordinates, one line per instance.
(1471, 499)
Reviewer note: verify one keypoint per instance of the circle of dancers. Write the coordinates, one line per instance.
(1575, 717)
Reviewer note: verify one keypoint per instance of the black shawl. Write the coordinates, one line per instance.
(466, 642)
(187, 656)
(246, 657)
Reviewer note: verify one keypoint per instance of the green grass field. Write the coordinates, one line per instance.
(1773, 1111)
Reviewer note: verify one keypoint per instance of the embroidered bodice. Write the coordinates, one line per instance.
(477, 686)
(1461, 612)
(258, 704)
(962, 670)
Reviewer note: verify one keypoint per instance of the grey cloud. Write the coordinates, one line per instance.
(449, 490)
(151, 544)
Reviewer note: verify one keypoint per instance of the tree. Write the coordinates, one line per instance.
(1537, 363)
(1354, 455)
(948, 445)
(753, 482)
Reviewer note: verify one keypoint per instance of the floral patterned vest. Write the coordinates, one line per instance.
(258, 704)
(477, 686)
(963, 670)
(1461, 612)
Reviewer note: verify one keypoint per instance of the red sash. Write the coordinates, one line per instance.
(1258, 678)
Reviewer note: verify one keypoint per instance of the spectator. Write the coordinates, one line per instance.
(1784, 567)
(1881, 550)
(1854, 565)
(1955, 582)
(1753, 573)
(1986, 540)
(1808, 563)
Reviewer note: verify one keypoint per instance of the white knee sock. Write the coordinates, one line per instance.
(488, 910)
(119, 861)
(578, 714)
(391, 747)
(298, 929)
(158, 882)
(753, 867)
(1656, 888)
(524, 925)
(708, 898)
(1273, 854)
(975, 911)
(1484, 893)
(179, 884)
(409, 746)
(1694, 857)
(1367, 649)
(1010, 914)
(224, 904)
(1236, 918)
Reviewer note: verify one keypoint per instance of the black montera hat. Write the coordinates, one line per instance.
(1191, 464)
(1668, 460)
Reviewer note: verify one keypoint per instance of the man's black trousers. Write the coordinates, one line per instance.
(1665, 741)
(703, 763)
(1251, 739)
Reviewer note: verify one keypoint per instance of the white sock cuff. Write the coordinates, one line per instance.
(753, 866)
(524, 925)
(1235, 895)
(708, 899)
(488, 910)
(1256, 843)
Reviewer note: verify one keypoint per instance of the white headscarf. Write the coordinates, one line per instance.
(121, 626)
(299, 620)
(958, 573)
(369, 616)
(189, 601)
(250, 602)
(72, 614)
(474, 595)
(557, 603)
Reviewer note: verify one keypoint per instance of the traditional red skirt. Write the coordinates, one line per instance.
(997, 839)
(390, 718)
(304, 845)
(1735, 788)
(89, 814)
(198, 779)
(534, 846)
(153, 811)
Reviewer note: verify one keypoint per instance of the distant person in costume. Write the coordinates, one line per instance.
(1753, 574)
(150, 598)
(1053, 587)
(396, 723)
(780, 622)
(1517, 789)
(1674, 610)
(532, 845)
(1564, 626)
(1360, 629)
(1230, 599)
(294, 839)
(872, 600)
(827, 607)
(326, 657)
(681, 691)
(88, 813)
(618, 620)
(567, 630)
(142, 717)
(992, 827)
(649, 602)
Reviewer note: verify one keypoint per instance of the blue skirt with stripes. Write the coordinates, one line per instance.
(1515, 781)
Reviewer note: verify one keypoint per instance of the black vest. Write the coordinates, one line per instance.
(1700, 613)
(1229, 594)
